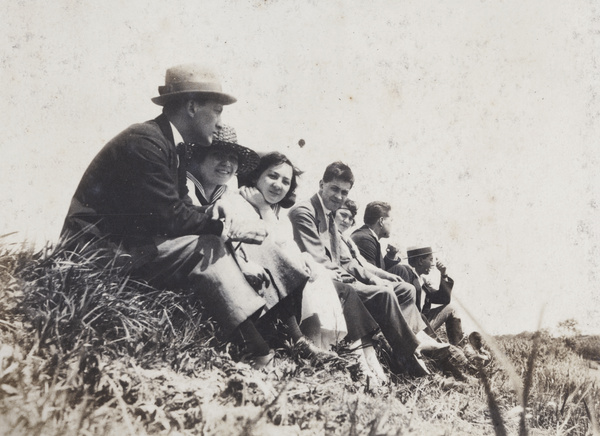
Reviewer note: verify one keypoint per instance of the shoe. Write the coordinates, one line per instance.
(437, 354)
(307, 350)
(415, 366)
(450, 359)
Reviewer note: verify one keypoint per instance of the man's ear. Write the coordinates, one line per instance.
(320, 185)
(190, 108)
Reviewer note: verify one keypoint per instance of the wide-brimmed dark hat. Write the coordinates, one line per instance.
(189, 80)
(226, 141)
(417, 251)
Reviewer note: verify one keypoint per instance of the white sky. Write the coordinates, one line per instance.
(477, 120)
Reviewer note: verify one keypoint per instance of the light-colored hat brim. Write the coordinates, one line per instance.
(219, 97)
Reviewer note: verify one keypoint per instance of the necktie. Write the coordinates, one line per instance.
(379, 261)
(353, 252)
(334, 240)
(182, 169)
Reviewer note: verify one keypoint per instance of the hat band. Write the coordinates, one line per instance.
(189, 87)
(419, 252)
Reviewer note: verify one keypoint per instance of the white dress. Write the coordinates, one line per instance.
(319, 296)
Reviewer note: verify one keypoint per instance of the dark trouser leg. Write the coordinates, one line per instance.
(383, 306)
(359, 321)
(406, 295)
(446, 315)
(250, 339)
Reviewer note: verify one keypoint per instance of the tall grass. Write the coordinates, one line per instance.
(85, 350)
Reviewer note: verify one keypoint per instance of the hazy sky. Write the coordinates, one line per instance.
(477, 120)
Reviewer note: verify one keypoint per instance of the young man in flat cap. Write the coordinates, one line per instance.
(132, 203)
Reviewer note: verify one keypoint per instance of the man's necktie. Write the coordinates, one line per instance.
(379, 262)
(353, 252)
(334, 239)
(182, 153)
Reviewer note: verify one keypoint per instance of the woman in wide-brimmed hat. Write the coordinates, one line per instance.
(277, 276)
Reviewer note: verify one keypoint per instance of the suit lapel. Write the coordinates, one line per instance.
(322, 224)
(417, 285)
(165, 128)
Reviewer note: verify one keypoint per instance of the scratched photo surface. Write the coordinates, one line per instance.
(478, 121)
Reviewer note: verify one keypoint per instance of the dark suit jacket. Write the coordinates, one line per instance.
(442, 295)
(369, 246)
(130, 193)
(311, 232)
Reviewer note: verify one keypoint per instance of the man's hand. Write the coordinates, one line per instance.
(234, 229)
(441, 267)
(250, 232)
(374, 280)
(343, 277)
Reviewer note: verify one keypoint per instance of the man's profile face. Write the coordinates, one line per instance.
(386, 226)
(425, 264)
(334, 193)
(206, 122)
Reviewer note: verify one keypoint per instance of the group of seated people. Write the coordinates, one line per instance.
(157, 198)
(324, 283)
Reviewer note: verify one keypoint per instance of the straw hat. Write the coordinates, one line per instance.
(417, 251)
(226, 141)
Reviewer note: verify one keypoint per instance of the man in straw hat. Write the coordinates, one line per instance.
(132, 204)
(420, 263)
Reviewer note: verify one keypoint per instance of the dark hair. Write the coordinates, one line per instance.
(175, 104)
(267, 161)
(338, 170)
(351, 206)
(376, 210)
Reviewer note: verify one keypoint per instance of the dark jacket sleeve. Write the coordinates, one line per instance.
(155, 181)
(402, 271)
(443, 295)
(131, 189)
(366, 245)
(306, 235)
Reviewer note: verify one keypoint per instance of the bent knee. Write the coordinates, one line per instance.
(405, 291)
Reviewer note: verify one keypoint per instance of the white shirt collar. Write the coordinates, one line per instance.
(177, 138)
(374, 234)
(421, 280)
(327, 211)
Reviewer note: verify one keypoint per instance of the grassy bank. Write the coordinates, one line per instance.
(85, 351)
